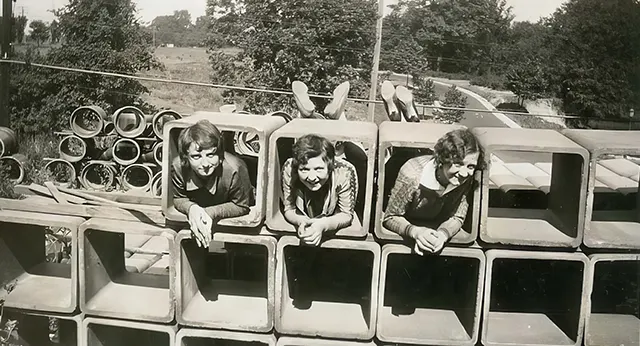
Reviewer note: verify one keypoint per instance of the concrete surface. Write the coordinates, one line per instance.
(290, 341)
(260, 125)
(225, 303)
(447, 309)
(192, 337)
(107, 288)
(108, 332)
(548, 309)
(339, 302)
(606, 321)
(39, 285)
(561, 223)
(619, 229)
(347, 131)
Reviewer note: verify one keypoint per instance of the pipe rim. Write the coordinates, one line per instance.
(157, 153)
(127, 170)
(69, 157)
(100, 187)
(125, 162)
(81, 132)
(160, 115)
(20, 168)
(1, 147)
(156, 184)
(142, 127)
(73, 174)
(109, 128)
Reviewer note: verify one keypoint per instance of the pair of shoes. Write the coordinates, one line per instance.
(307, 109)
(399, 102)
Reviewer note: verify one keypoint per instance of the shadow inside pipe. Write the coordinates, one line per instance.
(197, 341)
(41, 330)
(616, 288)
(105, 335)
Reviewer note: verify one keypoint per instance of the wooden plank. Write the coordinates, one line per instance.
(131, 198)
(39, 190)
(55, 192)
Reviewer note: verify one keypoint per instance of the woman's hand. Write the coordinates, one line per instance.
(201, 225)
(427, 239)
(312, 233)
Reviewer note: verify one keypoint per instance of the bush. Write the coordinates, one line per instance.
(453, 98)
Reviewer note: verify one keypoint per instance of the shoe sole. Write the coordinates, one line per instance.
(405, 98)
(301, 95)
(387, 92)
(336, 106)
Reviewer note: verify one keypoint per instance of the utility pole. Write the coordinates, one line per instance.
(5, 52)
(153, 28)
(376, 61)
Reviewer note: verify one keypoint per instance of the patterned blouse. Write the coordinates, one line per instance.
(341, 196)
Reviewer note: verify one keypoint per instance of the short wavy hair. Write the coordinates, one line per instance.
(205, 135)
(310, 146)
(455, 145)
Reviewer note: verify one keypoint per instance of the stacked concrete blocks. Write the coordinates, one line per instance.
(34, 328)
(289, 341)
(613, 312)
(36, 284)
(108, 332)
(611, 228)
(108, 289)
(430, 300)
(561, 223)
(263, 126)
(534, 298)
(398, 137)
(222, 300)
(330, 291)
(199, 337)
(355, 136)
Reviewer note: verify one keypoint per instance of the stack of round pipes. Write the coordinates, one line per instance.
(132, 162)
(10, 160)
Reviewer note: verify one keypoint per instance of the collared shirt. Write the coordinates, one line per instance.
(340, 196)
(229, 183)
(417, 198)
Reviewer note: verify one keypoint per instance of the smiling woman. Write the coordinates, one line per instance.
(428, 202)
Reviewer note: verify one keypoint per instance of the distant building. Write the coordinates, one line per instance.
(170, 45)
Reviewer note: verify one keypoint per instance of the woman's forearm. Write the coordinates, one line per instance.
(337, 221)
(294, 218)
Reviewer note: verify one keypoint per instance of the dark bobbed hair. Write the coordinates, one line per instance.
(205, 135)
(310, 146)
(455, 145)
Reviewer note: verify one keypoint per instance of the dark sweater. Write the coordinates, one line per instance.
(227, 193)
(412, 204)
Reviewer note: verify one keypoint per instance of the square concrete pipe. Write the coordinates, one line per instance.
(228, 124)
(108, 332)
(199, 337)
(561, 223)
(34, 282)
(112, 286)
(613, 313)
(430, 300)
(408, 140)
(291, 341)
(607, 227)
(230, 286)
(360, 142)
(534, 298)
(327, 291)
(41, 329)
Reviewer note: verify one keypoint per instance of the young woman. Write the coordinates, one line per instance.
(318, 191)
(428, 202)
(209, 184)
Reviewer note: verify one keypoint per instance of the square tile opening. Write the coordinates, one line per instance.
(39, 330)
(107, 335)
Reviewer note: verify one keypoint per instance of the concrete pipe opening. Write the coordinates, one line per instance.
(72, 148)
(126, 151)
(98, 176)
(61, 172)
(156, 185)
(130, 122)
(8, 141)
(161, 118)
(13, 167)
(157, 153)
(87, 121)
(109, 128)
(137, 177)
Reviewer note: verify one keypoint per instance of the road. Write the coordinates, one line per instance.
(474, 119)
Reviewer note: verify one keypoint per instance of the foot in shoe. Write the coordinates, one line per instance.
(388, 93)
(335, 108)
(405, 100)
(303, 102)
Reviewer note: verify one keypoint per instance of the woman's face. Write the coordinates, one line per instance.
(203, 161)
(457, 174)
(314, 174)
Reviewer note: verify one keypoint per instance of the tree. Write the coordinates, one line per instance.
(320, 42)
(527, 79)
(18, 25)
(101, 35)
(39, 31)
(55, 32)
(452, 98)
(174, 29)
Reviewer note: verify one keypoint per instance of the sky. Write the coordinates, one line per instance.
(524, 10)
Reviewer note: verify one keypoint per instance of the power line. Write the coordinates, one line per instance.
(264, 90)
